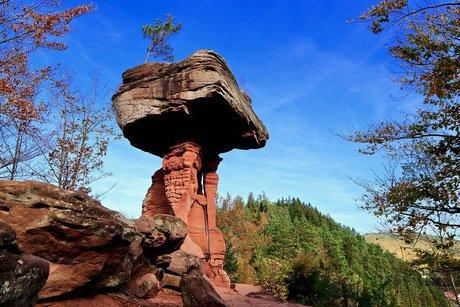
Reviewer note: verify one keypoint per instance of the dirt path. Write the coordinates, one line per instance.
(242, 296)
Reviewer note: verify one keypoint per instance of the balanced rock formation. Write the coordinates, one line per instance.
(188, 113)
(161, 105)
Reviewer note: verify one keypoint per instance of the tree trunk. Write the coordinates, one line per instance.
(17, 153)
(346, 299)
(149, 50)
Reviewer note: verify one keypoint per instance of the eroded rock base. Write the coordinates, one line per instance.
(186, 187)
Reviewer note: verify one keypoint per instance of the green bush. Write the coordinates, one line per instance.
(272, 277)
(231, 264)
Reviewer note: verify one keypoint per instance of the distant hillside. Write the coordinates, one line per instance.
(399, 248)
(297, 253)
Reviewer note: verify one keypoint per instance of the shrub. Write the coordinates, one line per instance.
(272, 277)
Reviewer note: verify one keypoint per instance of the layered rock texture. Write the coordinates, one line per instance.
(188, 113)
(161, 105)
(65, 249)
(85, 244)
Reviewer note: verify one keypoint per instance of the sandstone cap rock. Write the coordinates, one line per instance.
(198, 99)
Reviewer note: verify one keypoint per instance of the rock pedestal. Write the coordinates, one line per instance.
(188, 113)
(186, 187)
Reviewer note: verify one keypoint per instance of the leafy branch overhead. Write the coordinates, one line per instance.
(158, 35)
(423, 193)
(25, 28)
(49, 130)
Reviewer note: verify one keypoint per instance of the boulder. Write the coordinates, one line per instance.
(87, 245)
(161, 233)
(21, 276)
(182, 262)
(146, 286)
(187, 113)
(195, 99)
(171, 281)
(197, 291)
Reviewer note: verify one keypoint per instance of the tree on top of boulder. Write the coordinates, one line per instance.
(158, 34)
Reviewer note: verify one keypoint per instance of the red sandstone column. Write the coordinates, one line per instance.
(213, 268)
(186, 187)
(211, 180)
(181, 166)
(155, 201)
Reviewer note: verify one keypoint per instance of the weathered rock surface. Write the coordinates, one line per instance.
(86, 244)
(187, 188)
(167, 298)
(84, 234)
(97, 300)
(146, 286)
(187, 113)
(160, 229)
(160, 105)
(197, 291)
(181, 263)
(171, 281)
(21, 276)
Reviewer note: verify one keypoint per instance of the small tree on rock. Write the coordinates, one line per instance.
(158, 35)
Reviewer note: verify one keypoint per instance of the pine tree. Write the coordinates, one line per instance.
(231, 263)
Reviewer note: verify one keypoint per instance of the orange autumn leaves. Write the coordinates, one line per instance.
(23, 30)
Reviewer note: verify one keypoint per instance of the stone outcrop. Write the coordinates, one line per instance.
(197, 291)
(161, 233)
(86, 245)
(188, 113)
(161, 105)
(181, 263)
(146, 286)
(21, 275)
(50, 221)
(188, 191)
(93, 254)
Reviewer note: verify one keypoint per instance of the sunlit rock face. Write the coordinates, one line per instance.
(161, 105)
(188, 113)
(85, 244)
(63, 248)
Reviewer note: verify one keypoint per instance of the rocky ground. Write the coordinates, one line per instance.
(62, 248)
(241, 295)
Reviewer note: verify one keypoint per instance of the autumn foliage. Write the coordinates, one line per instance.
(26, 132)
(420, 192)
(25, 29)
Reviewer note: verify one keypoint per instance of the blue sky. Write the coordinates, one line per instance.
(310, 74)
